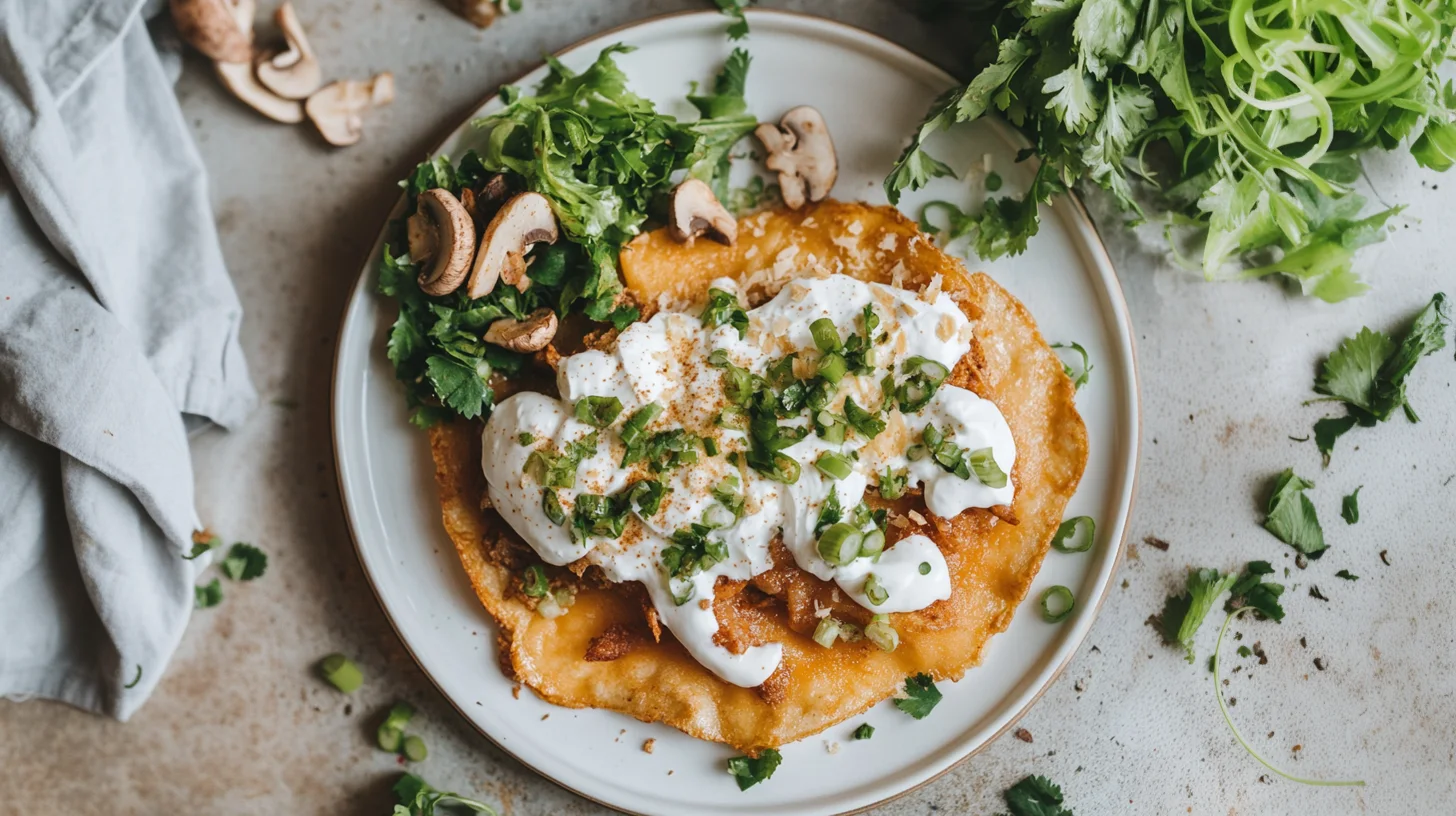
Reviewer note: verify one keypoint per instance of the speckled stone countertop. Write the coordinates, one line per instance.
(241, 726)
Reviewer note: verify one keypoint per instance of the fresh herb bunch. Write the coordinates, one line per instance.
(605, 159)
(1240, 120)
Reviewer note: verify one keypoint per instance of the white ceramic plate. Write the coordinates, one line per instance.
(872, 93)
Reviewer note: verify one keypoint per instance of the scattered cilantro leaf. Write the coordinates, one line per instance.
(416, 797)
(749, 771)
(1292, 518)
(1035, 796)
(921, 696)
(1347, 575)
(738, 28)
(864, 731)
(202, 542)
(208, 595)
(1350, 507)
(1252, 590)
(1183, 614)
(244, 562)
(1367, 373)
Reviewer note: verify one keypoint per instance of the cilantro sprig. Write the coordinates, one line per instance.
(1367, 373)
(749, 771)
(921, 696)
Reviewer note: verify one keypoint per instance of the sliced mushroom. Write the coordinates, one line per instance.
(480, 12)
(531, 334)
(802, 153)
(524, 220)
(221, 29)
(452, 244)
(693, 210)
(238, 78)
(337, 109)
(292, 73)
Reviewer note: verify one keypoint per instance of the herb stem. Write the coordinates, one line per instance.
(1223, 707)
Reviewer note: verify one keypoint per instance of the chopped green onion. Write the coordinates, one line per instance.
(864, 732)
(826, 632)
(525, 438)
(893, 484)
(832, 367)
(598, 412)
(1079, 378)
(551, 506)
(840, 544)
(916, 452)
(391, 731)
(716, 516)
(933, 371)
(785, 469)
(882, 634)
(924, 567)
(830, 427)
(932, 437)
(875, 591)
(555, 604)
(636, 425)
(826, 334)
(734, 418)
(342, 673)
(414, 749)
(534, 583)
(983, 464)
(1063, 601)
(867, 424)
(993, 182)
(834, 465)
(710, 446)
(872, 545)
(1068, 530)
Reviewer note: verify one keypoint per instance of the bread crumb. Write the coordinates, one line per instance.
(915, 517)
(899, 522)
(831, 747)
(544, 717)
(516, 691)
(648, 746)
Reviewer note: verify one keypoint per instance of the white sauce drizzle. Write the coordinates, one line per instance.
(665, 360)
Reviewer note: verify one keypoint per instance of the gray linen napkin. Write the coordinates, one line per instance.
(117, 318)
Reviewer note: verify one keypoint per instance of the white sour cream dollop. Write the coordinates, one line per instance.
(665, 361)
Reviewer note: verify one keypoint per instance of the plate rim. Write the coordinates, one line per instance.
(1096, 246)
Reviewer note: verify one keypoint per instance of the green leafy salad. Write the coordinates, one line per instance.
(605, 159)
(1237, 122)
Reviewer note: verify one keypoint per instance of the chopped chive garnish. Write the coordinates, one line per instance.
(1056, 604)
(551, 506)
(875, 591)
(840, 544)
(414, 749)
(1068, 529)
(136, 679)
(826, 632)
(391, 732)
(710, 446)
(881, 633)
(865, 423)
(342, 673)
(534, 583)
(734, 418)
(873, 544)
(834, 465)
(893, 484)
(636, 424)
(864, 732)
(826, 334)
(832, 367)
(598, 412)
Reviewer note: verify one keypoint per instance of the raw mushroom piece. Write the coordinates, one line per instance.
(531, 334)
(238, 78)
(802, 153)
(523, 220)
(337, 109)
(693, 211)
(294, 72)
(452, 243)
(221, 29)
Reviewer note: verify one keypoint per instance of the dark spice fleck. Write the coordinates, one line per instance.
(1319, 663)
(1383, 557)
(1300, 561)
(1022, 734)
(1314, 592)
(1156, 543)
(1233, 701)
(1259, 653)
(1302, 644)
(1079, 686)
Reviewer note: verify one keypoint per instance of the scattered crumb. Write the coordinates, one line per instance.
(516, 691)
(1080, 686)
(916, 517)
(669, 773)
(1022, 734)
(1155, 543)
(1258, 651)
(1319, 663)
(703, 604)
(831, 747)
(648, 746)
(1314, 592)
(1233, 701)
(1298, 748)
(1384, 559)
(1300, 561)
(1303, 644)
(544, 717)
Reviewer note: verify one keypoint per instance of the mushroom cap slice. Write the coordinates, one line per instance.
(337, 109)
(238, 78)
(802, 153)
(454, 242)
(221, 29)
(531, 334)
(292, 73)
(524, 219)
(693, 210)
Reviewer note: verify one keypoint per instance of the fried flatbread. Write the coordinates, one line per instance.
(606, 653)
